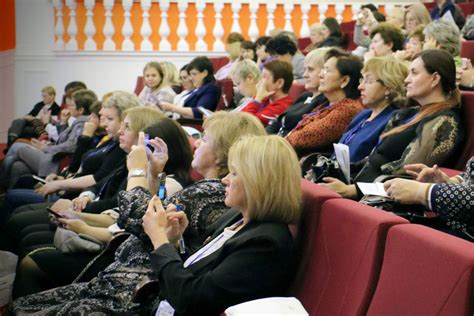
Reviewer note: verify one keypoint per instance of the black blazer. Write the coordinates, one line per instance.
(256, 262)
(206, 96)
(55, 109)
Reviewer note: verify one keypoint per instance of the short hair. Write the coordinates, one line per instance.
(291, 35)
(249, 45)
(49, 90)
(226, 128)
(202, 63)
(234, 37)
(244, 68)
(270, 173)
(121, 101)
(347, 65)
(179, 150)
(390, 33)
(280, 45)
(281, 70)
(316, 57)
(75, 84)
(446, 34)
(420, 12)
(262, 40)
(83, 99)
(95, 107)
(141, 117)
(392, 73)
(333, 26)
(170, 74)
(155, 65)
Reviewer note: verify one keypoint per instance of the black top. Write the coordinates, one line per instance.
(55, 109)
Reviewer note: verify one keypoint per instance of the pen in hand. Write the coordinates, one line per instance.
(181, 245)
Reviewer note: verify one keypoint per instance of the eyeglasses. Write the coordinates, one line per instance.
(370, 81)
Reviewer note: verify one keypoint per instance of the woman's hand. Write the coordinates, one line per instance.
(430, 44)
(80, 203)
(52, 177)
(89, 129)
(407, 191)
(76, 225)
(369, 54)
(46, 118)
(61, 205)
(137, 158)
(68, 214)
(166, 106)
(158, 158)
(262, 91)
(28, 118)
(49, 188)
(423, 173)
(40, 145)
(345, 190)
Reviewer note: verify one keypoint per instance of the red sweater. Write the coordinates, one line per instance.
(268, 110)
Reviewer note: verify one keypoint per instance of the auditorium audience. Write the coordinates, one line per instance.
(443, 35)
(264, 203)
(206, 93)
(247, 51)
(187, 86)
(415, 15)
(427, 134)
(232, 47)
(338, 82)
(282, 48)
(442, 7)
(272, 97)
(413, 45)
(386, 39)
(261, 50)
(245, 75)
(157, 88)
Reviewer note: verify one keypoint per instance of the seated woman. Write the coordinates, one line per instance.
(287, 120)
(206, 93)
(317, 33)
(249, 255)
(272, 97)
(338, 82)
(382, 91)
(180, 98)
(233, 44)
(260, 50)
(446, 36)
(156, 89)
(427, 134)
(413, 45)
(245, 75)
(415, 15)
(283, 48)
(450, 198)
(38, 270)
(386, 40)
(32, 125)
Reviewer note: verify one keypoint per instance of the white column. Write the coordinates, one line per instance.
(288, 7)
(236, 6)
(145, 30)
(127, 29)
(59, 27)
(201, 46)
(182, 28)
(355, 8)
(253, 28)
(305, 7)
(322, 11)
(339, 10)
(389, 8)
(72, 28)
(271, 7)
(164, 30)
(89, 28)
(109, 30)
(218, 31)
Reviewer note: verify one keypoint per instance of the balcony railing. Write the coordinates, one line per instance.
(182, 25)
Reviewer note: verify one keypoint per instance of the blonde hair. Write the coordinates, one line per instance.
(420, 12)
(245, 68)
(142, 117)
(49, 90)
(170, 74)
(225, 128)
(392, 72)
(269, 170)
(315, 57)
(233, 49)
(121, 101)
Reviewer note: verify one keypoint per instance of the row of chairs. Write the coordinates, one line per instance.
(358, 260)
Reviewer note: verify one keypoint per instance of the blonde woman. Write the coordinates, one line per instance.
(245, 74)
(416, 14)
(156, 89)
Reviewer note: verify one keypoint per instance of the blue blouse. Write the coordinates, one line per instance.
(362, 136)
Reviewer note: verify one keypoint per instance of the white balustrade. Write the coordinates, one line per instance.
(183, 45)
(72, 28)
(164, 30)
(236, 6)
(127, 29)
(145, 30)
(109, 31)
(59, 28)
(200, 29)
(89, 29)
(218, 31)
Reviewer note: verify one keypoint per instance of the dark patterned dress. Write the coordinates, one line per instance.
(111, 291)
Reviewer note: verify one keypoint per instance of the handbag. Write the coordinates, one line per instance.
(68, 241)
(325, 167)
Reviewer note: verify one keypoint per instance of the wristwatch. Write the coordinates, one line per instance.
(136, 173)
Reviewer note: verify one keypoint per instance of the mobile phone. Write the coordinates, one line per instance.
(56, 214)
(162, 186)
(39, 179)
(205, 111)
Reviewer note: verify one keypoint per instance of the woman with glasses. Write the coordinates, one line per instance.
(338, 81)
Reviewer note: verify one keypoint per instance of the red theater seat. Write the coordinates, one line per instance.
(296, 90)
(344, 258)
(219, 62)
(303, 42)
(467, 8)
(425, 272)
(467, 150)
(467, 50)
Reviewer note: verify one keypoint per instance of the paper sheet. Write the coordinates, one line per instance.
(372, 188)
(343, 159)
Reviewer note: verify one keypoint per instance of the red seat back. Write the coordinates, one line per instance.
(425, 272)
(296, 90)
(347, 27)
(345, 258)
(467, 149)
(467, 50)
(227, 96)
(219, 62)
(303, 42)
(466, 8)
(139, 85)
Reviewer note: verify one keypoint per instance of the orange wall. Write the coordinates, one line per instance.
(7, 25)
(191, 22)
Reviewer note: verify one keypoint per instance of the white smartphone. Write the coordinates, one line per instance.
(39, 179)
(205, 111)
